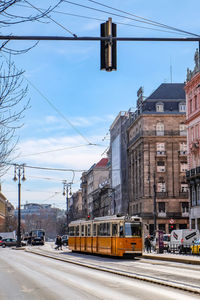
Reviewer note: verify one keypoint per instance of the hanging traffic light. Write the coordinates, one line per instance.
(109, 47)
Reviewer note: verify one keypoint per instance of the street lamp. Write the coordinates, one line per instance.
(67, 190)
(18, 172)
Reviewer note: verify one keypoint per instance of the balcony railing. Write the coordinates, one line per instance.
(182, 152)
(161, 153)
(184, 195)
(146, 133)
(161, 194)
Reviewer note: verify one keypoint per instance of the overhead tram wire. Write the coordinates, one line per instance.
(55, 108)
(154, 23)
(60, 149)
(104, 20)
(121, 16)
(46, 16)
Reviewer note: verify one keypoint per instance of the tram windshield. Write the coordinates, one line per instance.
(133, 229)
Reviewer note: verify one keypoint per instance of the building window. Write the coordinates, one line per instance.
(198, 194)
(183, 166)
(161, 207)
(185, 207)
(159, 129)
(182, 128)
(195, 102)
(161, 188)
(160, 148)
(182, 107)
(159, 107)
(184, 187)
(190, 106)
(160, 166)
(193, 196)
(183, 148)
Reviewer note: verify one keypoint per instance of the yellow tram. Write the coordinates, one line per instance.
(110, 235)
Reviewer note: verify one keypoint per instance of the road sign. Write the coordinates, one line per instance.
(171, 221)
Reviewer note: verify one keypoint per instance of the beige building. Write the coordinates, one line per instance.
(157, 160)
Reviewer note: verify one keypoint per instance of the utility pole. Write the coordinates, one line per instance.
(154, 202)
(18, 172)
(68, 192)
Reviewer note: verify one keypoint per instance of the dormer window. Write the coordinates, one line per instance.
(159, 107)
(182, 107)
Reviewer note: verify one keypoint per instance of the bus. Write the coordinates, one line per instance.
(36, 237)
(109, 235)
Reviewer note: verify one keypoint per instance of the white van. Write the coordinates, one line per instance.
(182, 239)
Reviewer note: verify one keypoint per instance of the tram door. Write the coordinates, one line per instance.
(114, 234)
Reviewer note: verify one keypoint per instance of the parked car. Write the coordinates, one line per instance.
(64, 240)
(195, 248)
(9, 242)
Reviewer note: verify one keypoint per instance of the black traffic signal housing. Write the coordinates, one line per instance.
(108, 47)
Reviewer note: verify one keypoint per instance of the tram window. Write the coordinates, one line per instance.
(121, 231)
(114, 230)
(94, 229)
(77, 230)
(108, 229)
(82, 230)
(133, 229)
(71, 230)
(101, 229)
(89, 230)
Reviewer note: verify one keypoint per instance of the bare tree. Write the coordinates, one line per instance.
(13, 104)
(13, 91)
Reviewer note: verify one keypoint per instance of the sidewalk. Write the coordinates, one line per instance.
(181, 258)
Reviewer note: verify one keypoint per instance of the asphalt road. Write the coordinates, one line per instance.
(27, 276)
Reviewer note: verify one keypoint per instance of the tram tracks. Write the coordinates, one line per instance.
(184, 286)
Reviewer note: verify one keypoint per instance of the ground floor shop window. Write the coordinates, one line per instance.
(161, 227)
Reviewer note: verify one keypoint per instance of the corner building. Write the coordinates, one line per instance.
(157, 159)
(192, 89)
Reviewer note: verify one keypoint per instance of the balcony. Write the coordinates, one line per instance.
(182, 153)
(162, 214)
(161, 153)
(161, 195)
(185, 214)
(184, 195)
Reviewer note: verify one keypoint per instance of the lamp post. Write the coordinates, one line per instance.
(18, 172)
(67, 190)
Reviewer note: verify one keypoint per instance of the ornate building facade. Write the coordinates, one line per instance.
(192, 89)
(157, 160)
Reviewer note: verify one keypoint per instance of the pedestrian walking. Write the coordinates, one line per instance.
(147, 244)
(58, 243)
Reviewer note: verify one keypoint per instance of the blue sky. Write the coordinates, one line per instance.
(69, 76)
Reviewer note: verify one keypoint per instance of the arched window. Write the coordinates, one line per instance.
(159, 107)
(160, 128)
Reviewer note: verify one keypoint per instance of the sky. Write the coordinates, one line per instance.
(72, 102)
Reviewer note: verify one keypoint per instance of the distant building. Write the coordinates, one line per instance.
(2, 211)
(192, 89)
(92, 180)
(157, 159)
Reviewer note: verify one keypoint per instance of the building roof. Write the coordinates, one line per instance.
(169, 91)
(102, 163)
